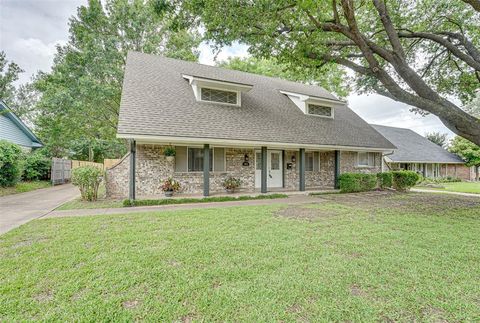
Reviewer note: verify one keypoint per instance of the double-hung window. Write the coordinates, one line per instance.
(312, 161)
(366, 159)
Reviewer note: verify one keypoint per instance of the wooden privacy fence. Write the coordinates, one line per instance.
(61, 171)
(108, 163)
(81, 163)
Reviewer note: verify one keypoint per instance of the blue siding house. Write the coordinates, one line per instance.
(14, 130)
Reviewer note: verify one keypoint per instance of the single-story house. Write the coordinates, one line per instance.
(270, 133)
(12, 129)
(417, 153)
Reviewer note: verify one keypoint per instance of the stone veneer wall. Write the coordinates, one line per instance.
(152, 167)
(348, 163)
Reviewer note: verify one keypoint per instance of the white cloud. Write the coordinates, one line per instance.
(378, 109)
(33, 55)
(209, 56)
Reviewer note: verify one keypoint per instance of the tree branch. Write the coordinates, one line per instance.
(389, 28)
(445, 43)
(474, 3)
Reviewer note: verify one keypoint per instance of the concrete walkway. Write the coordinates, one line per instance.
(444, 192)
(17, 209)
(295, 199)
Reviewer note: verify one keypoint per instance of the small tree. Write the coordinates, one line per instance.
(468, 151)
(404, 180)
(11, 165)
(36, 167)
(87, 178)
(437, 138)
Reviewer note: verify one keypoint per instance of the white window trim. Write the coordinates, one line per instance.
(238, 94)
(212, 161)
(365, 166)
(332, 110)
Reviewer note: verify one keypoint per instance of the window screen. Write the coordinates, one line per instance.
(312, 161)
(366, 159)
(309, 162)
(219, 96)
(195, 159)
(319, 110)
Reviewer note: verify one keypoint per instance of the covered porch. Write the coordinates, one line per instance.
(202, 168)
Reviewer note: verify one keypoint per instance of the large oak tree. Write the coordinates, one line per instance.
(425, 53)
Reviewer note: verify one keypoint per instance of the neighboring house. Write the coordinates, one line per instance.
(419, 154)
(271, 133)
(14, 130)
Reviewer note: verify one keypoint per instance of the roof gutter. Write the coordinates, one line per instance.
(239, 143)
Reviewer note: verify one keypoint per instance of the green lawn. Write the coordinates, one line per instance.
(22, 187)
(350, 257)
(463, 187)
(101, 203)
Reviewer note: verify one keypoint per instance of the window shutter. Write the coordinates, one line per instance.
(219, 159)
(316, 161)
(181, 159)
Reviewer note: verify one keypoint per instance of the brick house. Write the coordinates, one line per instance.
(417, 153)
(273, 134)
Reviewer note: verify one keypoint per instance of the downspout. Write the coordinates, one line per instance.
(384, 161)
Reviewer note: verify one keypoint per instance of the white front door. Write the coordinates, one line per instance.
(274, 168)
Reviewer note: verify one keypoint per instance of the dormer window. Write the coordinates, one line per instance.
(319, 110)
(313, 105)
(219, 96)
(217, 91)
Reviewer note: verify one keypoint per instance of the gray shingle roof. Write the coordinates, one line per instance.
(412, 147)
(158, 101)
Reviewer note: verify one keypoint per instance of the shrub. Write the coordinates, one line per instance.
(352, 182)
(385, 180)
(36, 167)
(87, 178)
(128, 203)
(170, 185)
(169, 151)
(11, 163)
(231, 183)
(404, 180)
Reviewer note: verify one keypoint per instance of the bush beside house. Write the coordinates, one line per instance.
(352, 182)
(11, 163)
(404, 180)
(88, 179)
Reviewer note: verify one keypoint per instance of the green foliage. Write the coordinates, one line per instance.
(9, 72)
(467, 150)
(385, 180)
(404, 180)
(448, 179)
(87, 178)
(128, 203)
(96, 150)
(169, 151)
(11, 163)
(437, 138)
(231, 183)
(37, 167)
(80, 97)
(272, 67)
(353, 182)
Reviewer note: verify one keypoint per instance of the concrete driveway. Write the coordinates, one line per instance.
(18, 209)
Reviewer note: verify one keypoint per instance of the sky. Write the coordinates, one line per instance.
(30, 30)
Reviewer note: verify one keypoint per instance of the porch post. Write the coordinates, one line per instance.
(206, 170)
(336, 173)
(131, 186)
(424, 170)
(301, 166)
(264, 170)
